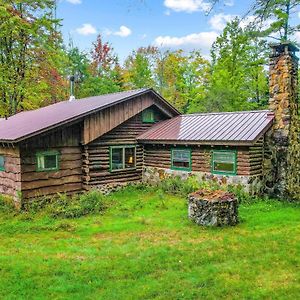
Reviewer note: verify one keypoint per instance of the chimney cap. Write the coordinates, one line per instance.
(284, 46)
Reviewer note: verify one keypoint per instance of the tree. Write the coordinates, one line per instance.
(104, 71)
(27, 40)
(138, 68)
(273, 16)
(238, 79)
(279, 12)
(183, 79)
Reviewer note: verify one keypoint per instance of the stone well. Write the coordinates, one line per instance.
(213, 208)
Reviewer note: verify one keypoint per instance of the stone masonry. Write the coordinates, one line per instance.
(284, 103)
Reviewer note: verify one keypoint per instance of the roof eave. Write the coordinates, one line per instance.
(79, 117)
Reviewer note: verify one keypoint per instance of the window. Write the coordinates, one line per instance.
(224, 162)
(181, 159)
(47, 161)
(148, 116)
(122, 157)
(2, 163)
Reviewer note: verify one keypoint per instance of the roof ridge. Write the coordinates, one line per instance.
(115, 93)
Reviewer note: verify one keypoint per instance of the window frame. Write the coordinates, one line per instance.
(148, 120)
(234, 172)
(2, 168)
(47, 153)
(123, 157)
(189, 169)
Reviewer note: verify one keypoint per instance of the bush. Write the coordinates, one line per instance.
(6, 204)
(77, 206)
(177, 185)
(64, 206)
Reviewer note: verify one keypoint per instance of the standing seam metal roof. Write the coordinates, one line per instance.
(29, 123)
(228, 127)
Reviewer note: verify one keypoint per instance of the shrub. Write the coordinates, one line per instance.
(242, 195)
(177, 185)
(77, 206)
(6, 204)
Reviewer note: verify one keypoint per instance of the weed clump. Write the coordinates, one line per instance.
(64, 206)
(178, 186)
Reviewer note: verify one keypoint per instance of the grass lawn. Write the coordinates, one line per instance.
(144, 247)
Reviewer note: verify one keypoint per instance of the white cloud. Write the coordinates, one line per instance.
(188, 6)
(74, 1)
(201, 40)
(297, 36)
(123, 32)
(219, 21)
(229, 3)
(86, 29)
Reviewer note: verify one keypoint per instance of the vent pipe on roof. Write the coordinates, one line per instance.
(72, 86)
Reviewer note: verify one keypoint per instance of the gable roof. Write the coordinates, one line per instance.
(31, 123)
(231, 128)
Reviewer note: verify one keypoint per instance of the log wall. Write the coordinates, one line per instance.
(10, 179)
(96, 164)
(249, 159)
(68, 179)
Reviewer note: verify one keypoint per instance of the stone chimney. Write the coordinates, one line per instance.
(283, 154)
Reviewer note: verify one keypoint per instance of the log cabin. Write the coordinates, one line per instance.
(133, 136)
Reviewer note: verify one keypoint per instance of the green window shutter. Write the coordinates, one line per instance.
(122, 157)
(224, 162)
(2, 163)
(181, 159)
(47, 161)
(148, 116)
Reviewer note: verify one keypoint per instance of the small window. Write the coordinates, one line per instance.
(181, 159)
(47, 161)
(148, 116)
(224, 162)
(122, 157)
(2, 163)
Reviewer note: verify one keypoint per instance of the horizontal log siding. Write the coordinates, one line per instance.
(159, 156)
(68, 179)
(10, 179)
(96, 154)
(256, 157)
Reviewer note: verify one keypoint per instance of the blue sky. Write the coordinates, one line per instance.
(129, 24)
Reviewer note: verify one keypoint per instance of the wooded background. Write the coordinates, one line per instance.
(35, 62)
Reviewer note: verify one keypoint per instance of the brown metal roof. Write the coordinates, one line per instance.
(30, 123)
(211, 128)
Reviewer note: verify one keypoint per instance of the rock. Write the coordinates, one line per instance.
(216, 208)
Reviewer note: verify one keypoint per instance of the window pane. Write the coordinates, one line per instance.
(181, 158)
(1, 162)
(224, 162)
(41, 162)
(50, 161)
(117, 158)
(224, 157)
(47, 161)
(148, 115)
(129, 158)
(225, 167)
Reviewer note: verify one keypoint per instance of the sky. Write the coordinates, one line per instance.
(130, 24)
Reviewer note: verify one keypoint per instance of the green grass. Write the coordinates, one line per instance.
(144, 247)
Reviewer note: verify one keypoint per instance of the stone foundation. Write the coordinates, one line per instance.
(217, 208)
(252, 184)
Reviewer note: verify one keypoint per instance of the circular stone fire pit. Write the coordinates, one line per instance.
(213, 208)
